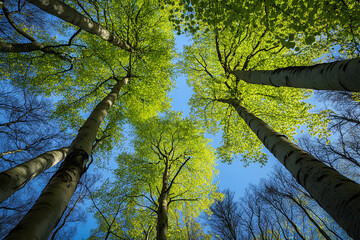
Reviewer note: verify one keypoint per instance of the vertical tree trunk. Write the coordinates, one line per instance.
(162, 221)
(42, 218)
(70, 15)
(341, 75)
(336, 194)
(17, 177)
(162, 211)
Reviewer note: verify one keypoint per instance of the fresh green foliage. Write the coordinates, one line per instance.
(96, 66)
(164, 147)
(228, 35)
(208, 63)
(335, 21)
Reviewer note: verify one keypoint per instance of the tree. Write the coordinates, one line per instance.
(26, 132)
(26, 127)
(43, 217)
(211, 86)
(15, 178)
(276, 208)
(224, 217)
(248, 218)
(336, 22)
(141, 51)
(191, 228)
(284, 187)
(70, 15)
(74, 214)
(337, 194)
(292, 26)
(341, 75)
(170, 173)
(106, 64)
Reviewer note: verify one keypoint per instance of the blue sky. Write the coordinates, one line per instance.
(233, 176)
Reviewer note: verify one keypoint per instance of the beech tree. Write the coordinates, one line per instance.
(285, 188)
(341, 75)
(292, 25)
(113, 65)
(71, 15)
(336, 22)
(213, 87)
(169, 174)
(22, 117)
(62, 185)
(15, 178)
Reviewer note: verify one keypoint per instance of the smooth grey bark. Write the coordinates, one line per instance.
(53, 236)
(341, 75)
(162, 211)
(42, 218)
(18, 47)
(70, 15)
(30, 47)
(17, 177)
(336, 194)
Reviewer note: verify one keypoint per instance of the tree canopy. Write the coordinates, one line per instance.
(170, 157)
(207, 62)
(109, 67)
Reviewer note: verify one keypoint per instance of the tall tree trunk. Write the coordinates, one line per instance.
(17, 177)
(70, 15)
(18, 47)
(42, 218)
(162, 211)
(341, 75)
(336, 194)
(162, 221)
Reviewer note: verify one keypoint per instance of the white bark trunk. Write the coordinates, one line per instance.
(17, 177)
(336, 194)
(42, 218)
(342, 76)
(70, 15)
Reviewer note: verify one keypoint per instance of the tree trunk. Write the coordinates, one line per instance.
(336, 194)
(42, 218)
(162, 211)
(341, 75)
(162, 221)
(70, 15)
(17, 177)
(18, 47)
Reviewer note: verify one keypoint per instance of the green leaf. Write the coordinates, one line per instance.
(309, 40)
